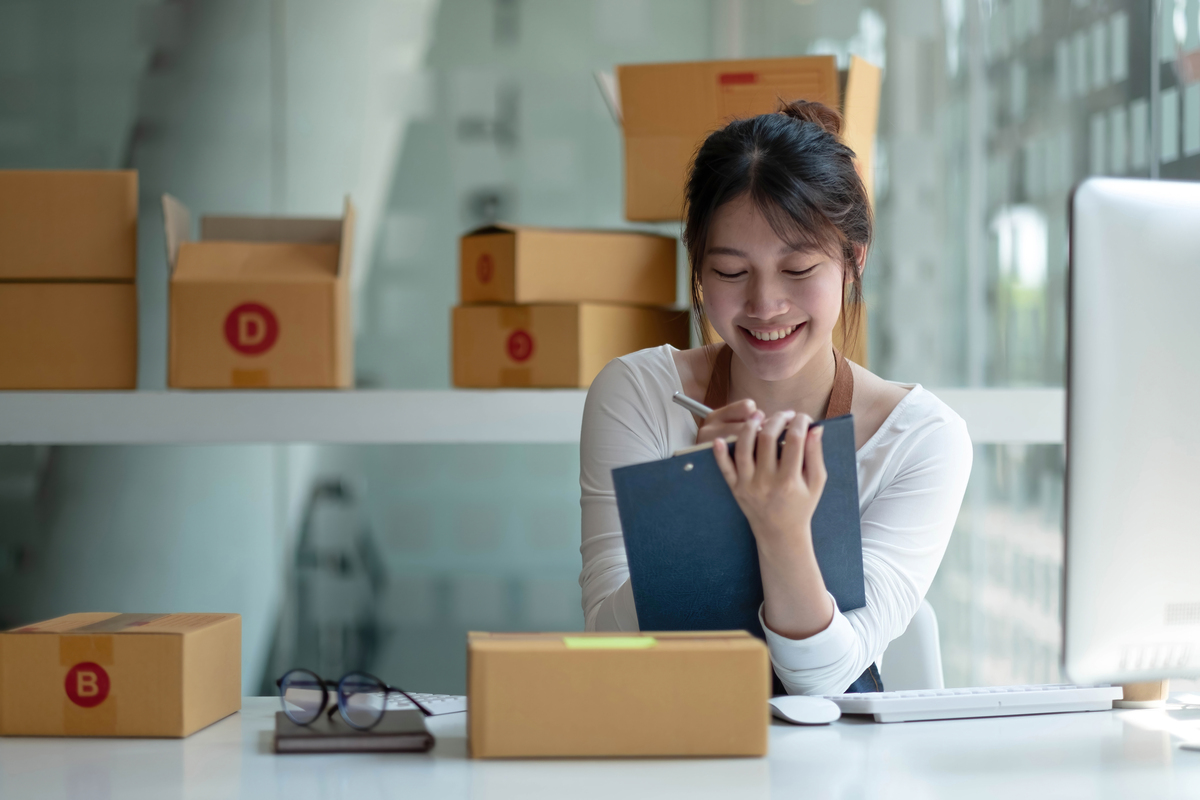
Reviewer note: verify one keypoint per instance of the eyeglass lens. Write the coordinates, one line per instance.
(303, 695)
(362, 699)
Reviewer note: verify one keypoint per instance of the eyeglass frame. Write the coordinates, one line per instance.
(337, 685)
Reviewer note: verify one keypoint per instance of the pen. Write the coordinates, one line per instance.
(702, 411)
(699, 409)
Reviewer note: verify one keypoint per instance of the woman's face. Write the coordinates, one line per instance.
(774, 305)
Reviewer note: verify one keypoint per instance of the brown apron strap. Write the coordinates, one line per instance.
(843, 387)
(717, 394)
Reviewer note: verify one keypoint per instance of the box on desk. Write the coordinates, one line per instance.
(667, 110)
(106, 674)
(554, 345)
(510, 264)
(260, 302)
(694, 693)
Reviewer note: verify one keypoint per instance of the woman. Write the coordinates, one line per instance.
(777, 230)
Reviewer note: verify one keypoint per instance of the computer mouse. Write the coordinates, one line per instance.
(804, 710)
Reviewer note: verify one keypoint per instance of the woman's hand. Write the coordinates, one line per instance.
(778, 492)
(728, 421)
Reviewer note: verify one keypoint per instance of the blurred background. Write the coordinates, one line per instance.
(438, 116)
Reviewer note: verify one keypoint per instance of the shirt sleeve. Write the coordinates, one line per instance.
(905, 530)
(618, 430)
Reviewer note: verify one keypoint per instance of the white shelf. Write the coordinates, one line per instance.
(405, 417)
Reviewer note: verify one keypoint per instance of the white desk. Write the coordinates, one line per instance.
(1120, 754)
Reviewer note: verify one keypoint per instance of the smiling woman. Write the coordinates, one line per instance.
(777, 230)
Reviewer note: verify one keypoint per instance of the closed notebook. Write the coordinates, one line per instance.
(693, 563)
(397, 732)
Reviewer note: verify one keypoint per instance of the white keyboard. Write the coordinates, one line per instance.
(435, 703)
(987, 701)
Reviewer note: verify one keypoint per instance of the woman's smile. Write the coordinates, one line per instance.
(771, 338)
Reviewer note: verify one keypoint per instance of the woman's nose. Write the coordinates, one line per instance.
(764, 298)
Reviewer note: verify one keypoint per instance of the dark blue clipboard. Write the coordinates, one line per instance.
(692, 558)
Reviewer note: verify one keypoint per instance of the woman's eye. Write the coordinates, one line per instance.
(728, 275)
(799, 273)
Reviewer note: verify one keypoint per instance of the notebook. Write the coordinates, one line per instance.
(397, 732)
(693, 564)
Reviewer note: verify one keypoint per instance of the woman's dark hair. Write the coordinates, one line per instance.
(795, 169)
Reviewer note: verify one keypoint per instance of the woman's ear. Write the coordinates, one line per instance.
(860, 262)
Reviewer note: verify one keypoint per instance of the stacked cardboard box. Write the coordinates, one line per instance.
(260, 301)
(549, 307)
(666, 111)
(68, 271)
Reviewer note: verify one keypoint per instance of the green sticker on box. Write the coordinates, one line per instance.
(609, 642)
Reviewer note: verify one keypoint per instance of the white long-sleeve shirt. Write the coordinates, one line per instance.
(912, 474)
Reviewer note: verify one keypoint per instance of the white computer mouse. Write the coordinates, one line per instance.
(804, 710)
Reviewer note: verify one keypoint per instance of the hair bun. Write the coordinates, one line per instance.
(819, 114)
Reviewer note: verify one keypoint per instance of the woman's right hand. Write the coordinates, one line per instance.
(728, 420)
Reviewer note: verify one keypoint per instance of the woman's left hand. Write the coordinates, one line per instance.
(778, 492)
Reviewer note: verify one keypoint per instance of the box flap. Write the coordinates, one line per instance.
(346, 253)
(271, 229)
(607, 83)
(177, 223)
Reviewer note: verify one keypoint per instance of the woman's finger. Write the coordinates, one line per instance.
(724, 462)
(743, 455)
(791, 463)
(814, 461)
(768, 438)
(740, 411)
(718, 431)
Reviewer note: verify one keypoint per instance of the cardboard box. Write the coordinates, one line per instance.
(68, 335)
(68, 225)
(508, 264)
(695, 693)
(260, 301)
(560, 345)
(668, 109)
(107, 674)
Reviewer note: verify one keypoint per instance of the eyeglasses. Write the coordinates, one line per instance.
(361, 698)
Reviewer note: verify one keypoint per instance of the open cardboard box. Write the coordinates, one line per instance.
(666, 111)
(260, 302)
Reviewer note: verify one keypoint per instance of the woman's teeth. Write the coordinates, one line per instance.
(773, 335)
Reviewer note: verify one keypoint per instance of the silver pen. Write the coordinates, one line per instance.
(699, 409)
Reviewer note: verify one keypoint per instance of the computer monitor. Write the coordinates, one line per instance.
(1132, 516)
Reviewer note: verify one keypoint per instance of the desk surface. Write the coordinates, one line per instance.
(1118, 754)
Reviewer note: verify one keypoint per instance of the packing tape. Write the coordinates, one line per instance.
(609, 642)
(98, 721)
(73, 649)
(91, 654)
(516, 377)
(516, 317)
(249, 378)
